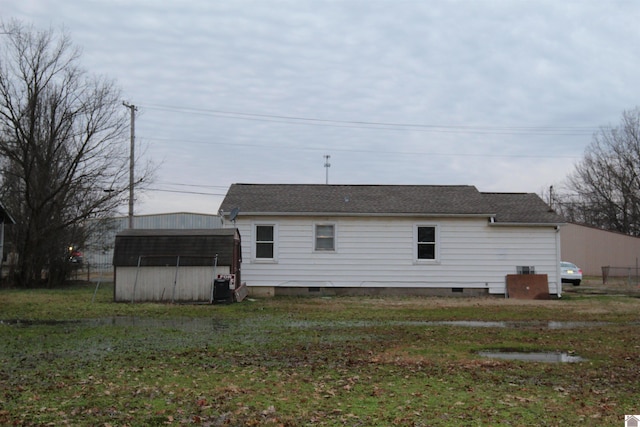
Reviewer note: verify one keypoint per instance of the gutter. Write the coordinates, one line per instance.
(525, 224)
(364, 214)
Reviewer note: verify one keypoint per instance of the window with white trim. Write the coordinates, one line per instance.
(325, 237)
(426, 242)
(265, 241)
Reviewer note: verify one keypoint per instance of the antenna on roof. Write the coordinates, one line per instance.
(234, 214)
(327, 165)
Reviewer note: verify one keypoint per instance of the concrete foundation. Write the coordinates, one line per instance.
(260, 291)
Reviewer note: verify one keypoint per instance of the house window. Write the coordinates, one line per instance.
(325, 237)
(265, 241)
(426, 242)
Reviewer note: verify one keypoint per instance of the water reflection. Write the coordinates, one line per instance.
(454, 323)
(182, 323)
(547, 357)
(201, 323)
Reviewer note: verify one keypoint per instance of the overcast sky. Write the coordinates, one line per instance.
(503, 95)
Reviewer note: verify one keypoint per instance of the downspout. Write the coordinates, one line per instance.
(558, 269)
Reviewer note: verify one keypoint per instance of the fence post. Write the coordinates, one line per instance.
(605, 274)
(213, 281)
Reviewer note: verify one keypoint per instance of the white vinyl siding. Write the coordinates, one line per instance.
(381, 252)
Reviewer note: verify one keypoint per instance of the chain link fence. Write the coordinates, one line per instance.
(92, 272)
(622, 276)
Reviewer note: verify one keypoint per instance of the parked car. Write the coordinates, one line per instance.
(75, 256)
(571, 273)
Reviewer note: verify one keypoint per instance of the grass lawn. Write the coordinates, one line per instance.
(65, 360)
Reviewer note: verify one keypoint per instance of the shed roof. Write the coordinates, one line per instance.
(162, 247)
(179, 232)
(386, 200)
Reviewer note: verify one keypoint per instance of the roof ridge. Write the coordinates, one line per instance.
(356, 185)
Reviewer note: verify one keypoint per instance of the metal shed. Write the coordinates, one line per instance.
(200, 265)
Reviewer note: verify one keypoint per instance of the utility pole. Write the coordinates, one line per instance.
(327, 165)
(131, 159)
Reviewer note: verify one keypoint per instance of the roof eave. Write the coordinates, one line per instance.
(526, 224)
(366, 214)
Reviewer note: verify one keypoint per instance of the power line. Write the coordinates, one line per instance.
(192, 185)
(349, 150)
(184, 192)
(500, 130)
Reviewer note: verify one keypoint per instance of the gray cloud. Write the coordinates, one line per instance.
(506, 93)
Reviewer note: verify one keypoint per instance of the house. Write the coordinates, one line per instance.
(390, 239)
(176, 265)
(592, 249)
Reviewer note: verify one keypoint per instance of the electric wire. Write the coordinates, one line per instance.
(351, 150)
(360, 124)
(201, 193)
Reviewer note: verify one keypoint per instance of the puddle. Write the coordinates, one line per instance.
(547, 357)
(186, 324)
(524, 324)
(183, 324)
(27, 322)
(199, 324)
(456, 323)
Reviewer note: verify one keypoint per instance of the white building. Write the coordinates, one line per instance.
(98, 250)
(393, 239)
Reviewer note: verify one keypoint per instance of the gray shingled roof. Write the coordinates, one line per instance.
(446, 200)
(521, 208)
(161, 247)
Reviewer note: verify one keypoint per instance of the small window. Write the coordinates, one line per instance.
(426, 242)
(265, 241)
(526, 269)
(325, 237)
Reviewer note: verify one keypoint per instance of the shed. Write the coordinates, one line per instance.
(176, 265)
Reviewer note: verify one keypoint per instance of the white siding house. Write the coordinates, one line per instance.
(340, 239)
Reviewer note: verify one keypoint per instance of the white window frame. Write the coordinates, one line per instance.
(437, 244)
(315, 237)
(254, 242)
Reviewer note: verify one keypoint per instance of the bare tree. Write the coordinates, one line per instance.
(606, 182)
(62, 144)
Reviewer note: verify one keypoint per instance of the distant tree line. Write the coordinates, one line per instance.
(64, 157)
(604, 189)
